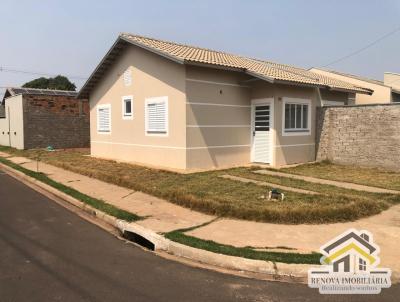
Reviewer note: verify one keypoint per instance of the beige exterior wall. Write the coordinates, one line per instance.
(381, 94)
(289, 149)
(152, 76)
(218, 118)
(392, 79)
(13, 123)
(209, 115)
(330, 97)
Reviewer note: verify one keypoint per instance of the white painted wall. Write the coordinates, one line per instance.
(12, 127)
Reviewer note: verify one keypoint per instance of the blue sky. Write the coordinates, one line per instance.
(70, 37)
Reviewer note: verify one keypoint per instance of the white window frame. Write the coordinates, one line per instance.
(153, 100)
(98, 120)
(126, 116)
(300, 132)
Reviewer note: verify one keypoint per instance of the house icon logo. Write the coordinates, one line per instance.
(350, 266)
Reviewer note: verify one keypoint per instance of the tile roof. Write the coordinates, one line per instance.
(368, 80)
(12, 91)
(265, 70)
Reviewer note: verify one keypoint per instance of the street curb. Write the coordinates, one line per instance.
(268, 269)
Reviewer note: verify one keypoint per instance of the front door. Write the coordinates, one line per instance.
(262, 113)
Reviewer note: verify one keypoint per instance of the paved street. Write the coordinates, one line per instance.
(48, 253)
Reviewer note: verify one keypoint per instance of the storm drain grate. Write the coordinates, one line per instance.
(138, 239)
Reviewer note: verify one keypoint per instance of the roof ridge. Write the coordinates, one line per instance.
(181, 44)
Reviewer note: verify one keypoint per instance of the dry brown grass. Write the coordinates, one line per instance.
(209, 193)
(360, 175)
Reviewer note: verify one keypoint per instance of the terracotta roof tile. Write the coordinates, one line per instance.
(256, 67)
(269, 71)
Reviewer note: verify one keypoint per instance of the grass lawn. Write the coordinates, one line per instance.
(94, 202)
(365, 176)
(208, 193)
(244, 252)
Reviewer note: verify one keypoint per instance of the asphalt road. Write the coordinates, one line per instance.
(48, 253)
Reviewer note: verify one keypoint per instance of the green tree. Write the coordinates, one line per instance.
(59, 82)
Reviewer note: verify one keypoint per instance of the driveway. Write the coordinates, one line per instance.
(50, 254)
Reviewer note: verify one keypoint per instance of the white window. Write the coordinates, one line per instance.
(296, 117)
(127, 107)
(156, 116)
(104, 119)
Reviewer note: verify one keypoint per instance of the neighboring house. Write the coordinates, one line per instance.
(392, 80)
(38, 118)
(387, 91)
(182, 107)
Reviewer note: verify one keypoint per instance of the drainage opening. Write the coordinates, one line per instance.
(136, 238)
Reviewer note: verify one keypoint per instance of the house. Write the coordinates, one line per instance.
(38, 118)
(188, 108)
(387, 91)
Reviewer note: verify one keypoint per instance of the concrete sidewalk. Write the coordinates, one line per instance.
(163, 216)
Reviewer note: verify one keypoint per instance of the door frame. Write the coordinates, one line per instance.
(270, 102)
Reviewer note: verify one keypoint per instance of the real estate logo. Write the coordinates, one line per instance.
(350, 266)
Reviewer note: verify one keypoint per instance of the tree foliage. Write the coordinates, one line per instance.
(59, 82)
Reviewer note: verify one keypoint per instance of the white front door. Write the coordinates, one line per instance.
(262, 119)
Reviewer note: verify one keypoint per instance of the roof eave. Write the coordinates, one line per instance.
(394, 90)
(259, 76)
(84, 94)
(84, 87)
(284, 82)
(365, 91)
(153, 50)
(213, 66)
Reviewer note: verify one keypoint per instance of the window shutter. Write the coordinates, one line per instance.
(104, 119)
(157, 116)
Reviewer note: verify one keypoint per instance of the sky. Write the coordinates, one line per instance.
(71, 37)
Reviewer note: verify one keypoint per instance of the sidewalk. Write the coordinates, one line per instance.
(163, 216)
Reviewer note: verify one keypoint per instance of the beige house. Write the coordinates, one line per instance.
(164, 104)
(387, 91)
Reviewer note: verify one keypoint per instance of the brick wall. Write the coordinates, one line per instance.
(58, 121)
(366, 135)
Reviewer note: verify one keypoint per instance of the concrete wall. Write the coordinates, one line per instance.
(152, 76)
(12, 126)
(361, 135)
(381, 94)
(57, 121)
